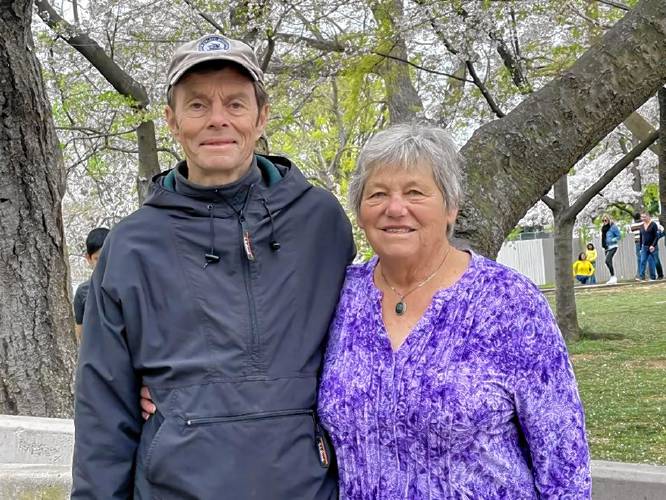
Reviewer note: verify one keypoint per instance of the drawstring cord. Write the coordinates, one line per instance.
(211, 256)
(246, 237)
(274, 244)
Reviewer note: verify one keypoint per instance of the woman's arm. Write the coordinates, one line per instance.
(549, 408)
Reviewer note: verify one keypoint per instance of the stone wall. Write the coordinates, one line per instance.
(36, 454)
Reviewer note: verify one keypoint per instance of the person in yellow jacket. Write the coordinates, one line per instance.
(583, 269)
(591, 255)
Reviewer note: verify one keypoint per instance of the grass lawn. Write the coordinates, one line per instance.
(620, 364)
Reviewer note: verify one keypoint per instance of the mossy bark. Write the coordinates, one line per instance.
(37, 345)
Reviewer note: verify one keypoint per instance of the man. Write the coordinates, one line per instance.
(649, 232)
(94, 242)
(216, 295)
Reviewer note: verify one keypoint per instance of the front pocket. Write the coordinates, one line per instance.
(271, 454)
(193, 422)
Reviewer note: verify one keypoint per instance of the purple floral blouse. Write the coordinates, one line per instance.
(480, 402)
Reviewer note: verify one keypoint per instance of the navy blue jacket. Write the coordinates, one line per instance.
(193, 298)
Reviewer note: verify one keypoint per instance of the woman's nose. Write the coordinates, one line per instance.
(396, 206)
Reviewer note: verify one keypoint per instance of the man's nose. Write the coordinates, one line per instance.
(218, 115)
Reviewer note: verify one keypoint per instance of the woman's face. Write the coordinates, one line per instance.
(403, 214)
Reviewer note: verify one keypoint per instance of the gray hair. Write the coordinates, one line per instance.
(406, 146)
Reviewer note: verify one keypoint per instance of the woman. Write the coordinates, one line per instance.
(591, 255)
(610, 237)
(583, 270)
(445, 374)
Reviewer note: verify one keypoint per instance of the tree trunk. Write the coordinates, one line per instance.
(120, 80)
(662, 156)
(404, 103)
(37, 345)
(148, 164)
(565, 297)
(513, 161)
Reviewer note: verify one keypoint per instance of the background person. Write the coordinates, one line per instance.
(591, 256)
(635, 229)
(583, 270)
(445, 375)
(649, 252)
(94, 242)
(610, 237)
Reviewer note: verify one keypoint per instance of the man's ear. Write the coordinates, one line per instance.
(170, 116)
(262, 120)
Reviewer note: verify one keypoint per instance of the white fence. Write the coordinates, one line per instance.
(536, 258)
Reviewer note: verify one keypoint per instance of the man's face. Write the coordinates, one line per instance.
(216, 120)
(645, 217)
(92, 259)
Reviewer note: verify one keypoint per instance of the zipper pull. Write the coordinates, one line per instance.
(322, 447)
(247, 241)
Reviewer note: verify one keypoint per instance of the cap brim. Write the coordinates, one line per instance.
(216, 57)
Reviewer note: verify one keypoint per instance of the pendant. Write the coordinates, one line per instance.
(400, 308)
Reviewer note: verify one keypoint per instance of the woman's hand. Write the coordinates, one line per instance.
(148, 408)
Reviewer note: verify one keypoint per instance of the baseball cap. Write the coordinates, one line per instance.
(213, 48)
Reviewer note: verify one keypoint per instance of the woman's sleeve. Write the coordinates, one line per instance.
(549, 408)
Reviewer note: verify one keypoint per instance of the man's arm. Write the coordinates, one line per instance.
(79, 307)
(78, 331)
(107, 418)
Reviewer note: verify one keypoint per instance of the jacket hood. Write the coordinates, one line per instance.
(281, 183)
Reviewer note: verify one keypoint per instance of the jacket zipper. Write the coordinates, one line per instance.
(192, 422)
(254, 329)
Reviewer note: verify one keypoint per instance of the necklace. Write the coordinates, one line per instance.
(401, 306)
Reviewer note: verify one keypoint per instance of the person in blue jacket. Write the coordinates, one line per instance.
(610, 238)
(216, 295)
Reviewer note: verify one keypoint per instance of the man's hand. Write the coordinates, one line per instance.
(651, 249)
(148, 408)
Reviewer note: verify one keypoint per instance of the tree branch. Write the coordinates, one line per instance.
(609, 175)
(617, 5)
(417, 66)
(484, 90)
(439, 31)
(315, 43)
(551, 203)
(90, 49)
(205, 17)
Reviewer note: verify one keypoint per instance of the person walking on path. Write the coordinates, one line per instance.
(635, 228)
(610, 237)
(591, 256)
(649, 251)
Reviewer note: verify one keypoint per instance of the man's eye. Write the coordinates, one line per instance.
(196, 105)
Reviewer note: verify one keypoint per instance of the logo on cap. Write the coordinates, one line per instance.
(213, 43)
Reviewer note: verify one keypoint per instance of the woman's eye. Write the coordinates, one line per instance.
(377, 194)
